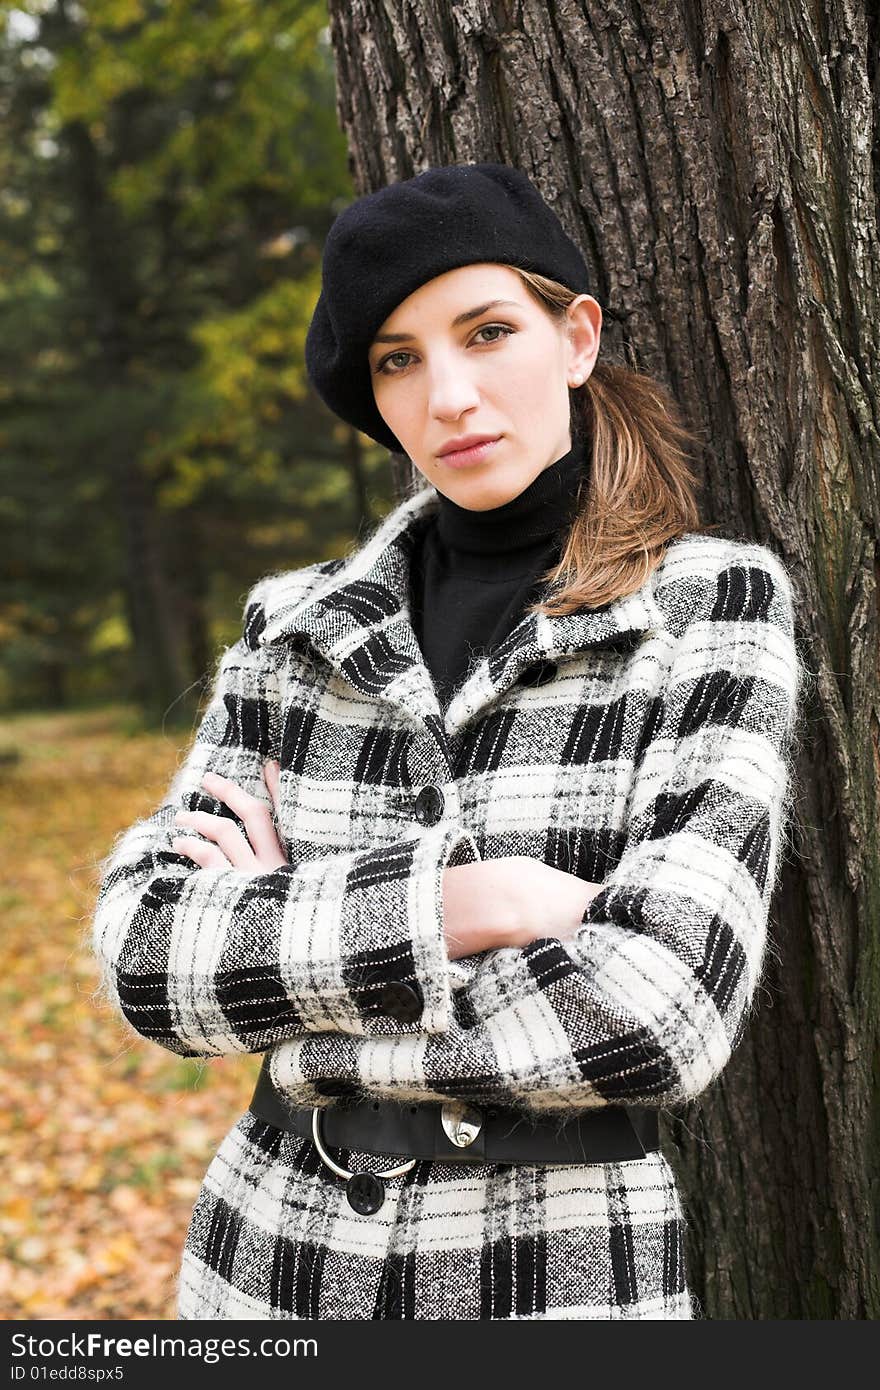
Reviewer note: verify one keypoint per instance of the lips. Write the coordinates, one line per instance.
(464, 458)
(465, 442)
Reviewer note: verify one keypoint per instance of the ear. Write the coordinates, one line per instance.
(584, 330)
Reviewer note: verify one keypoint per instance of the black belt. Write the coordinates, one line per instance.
(460, 1133)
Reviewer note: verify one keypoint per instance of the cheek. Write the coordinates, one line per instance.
(392, 405)
(527, 388)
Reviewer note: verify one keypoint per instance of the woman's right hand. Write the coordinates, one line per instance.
(510, 902)
(258, 852)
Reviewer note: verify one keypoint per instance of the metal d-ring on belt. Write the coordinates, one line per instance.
(365, 1191)
(455, 1133)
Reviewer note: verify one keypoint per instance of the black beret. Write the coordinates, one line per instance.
(386, 244)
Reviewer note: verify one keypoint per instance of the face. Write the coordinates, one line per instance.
(450, 363)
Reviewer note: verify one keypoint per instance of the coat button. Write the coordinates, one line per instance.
(429, 806)
(365, 1193)
(401, 1002)
(539, 674)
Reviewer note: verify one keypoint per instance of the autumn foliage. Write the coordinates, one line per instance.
(105, 1138)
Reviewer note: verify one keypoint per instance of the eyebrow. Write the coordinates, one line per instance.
(456, 322)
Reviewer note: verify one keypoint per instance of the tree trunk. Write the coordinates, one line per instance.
(160, 676)
(714, 162)
(185, 550)
(354, 455)
(53, 675)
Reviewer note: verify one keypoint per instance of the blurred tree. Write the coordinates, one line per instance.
(168, 174)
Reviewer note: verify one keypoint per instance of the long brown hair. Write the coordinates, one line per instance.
(641, 486)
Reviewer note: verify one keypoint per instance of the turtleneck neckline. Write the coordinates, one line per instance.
(525, 524)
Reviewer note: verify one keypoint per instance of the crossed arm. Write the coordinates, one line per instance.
(572, 994)
(510, 901)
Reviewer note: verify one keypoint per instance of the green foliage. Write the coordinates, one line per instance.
(168, 172)
(240, 401)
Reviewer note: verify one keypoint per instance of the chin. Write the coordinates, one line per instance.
(481, 498)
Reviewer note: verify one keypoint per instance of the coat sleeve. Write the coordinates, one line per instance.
(645, 1004)
(210, 961)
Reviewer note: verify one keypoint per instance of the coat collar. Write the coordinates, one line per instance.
(356, 614)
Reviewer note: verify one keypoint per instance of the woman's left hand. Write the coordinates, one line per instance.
(259, 852)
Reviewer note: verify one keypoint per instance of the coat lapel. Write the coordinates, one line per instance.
(542, 638)
(357, 617)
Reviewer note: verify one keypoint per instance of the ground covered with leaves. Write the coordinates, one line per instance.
(105, 1137)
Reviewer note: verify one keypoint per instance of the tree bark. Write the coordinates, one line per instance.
(714, 162)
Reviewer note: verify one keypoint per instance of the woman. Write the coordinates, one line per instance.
(477, 836)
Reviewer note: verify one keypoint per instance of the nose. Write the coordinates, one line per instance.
(451, 390)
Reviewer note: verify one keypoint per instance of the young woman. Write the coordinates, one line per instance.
(477, 836)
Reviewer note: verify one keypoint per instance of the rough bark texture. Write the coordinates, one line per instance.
(714, 162)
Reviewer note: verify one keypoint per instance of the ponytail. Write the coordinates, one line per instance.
(640, 492)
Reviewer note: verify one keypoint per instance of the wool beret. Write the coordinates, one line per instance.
(386, 244)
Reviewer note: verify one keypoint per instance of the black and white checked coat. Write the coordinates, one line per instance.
(644, 745)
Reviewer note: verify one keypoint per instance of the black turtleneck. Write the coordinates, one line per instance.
(473, 572)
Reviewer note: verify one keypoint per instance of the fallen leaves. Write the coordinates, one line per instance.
(105, 1138)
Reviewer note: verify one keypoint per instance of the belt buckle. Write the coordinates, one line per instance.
(461, 1123)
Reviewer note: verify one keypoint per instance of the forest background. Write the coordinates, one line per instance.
(168, 173)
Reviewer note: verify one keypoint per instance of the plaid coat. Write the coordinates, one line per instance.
(644, 745)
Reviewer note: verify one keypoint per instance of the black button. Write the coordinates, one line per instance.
(539, 674)
(400, 1001)
(429, 806)
(365, 1192)
(333, 1086)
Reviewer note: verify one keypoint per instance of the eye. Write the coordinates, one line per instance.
(495, 328)
(501, 328)
(383, 365)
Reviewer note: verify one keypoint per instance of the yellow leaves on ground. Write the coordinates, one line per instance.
(105, 1138)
